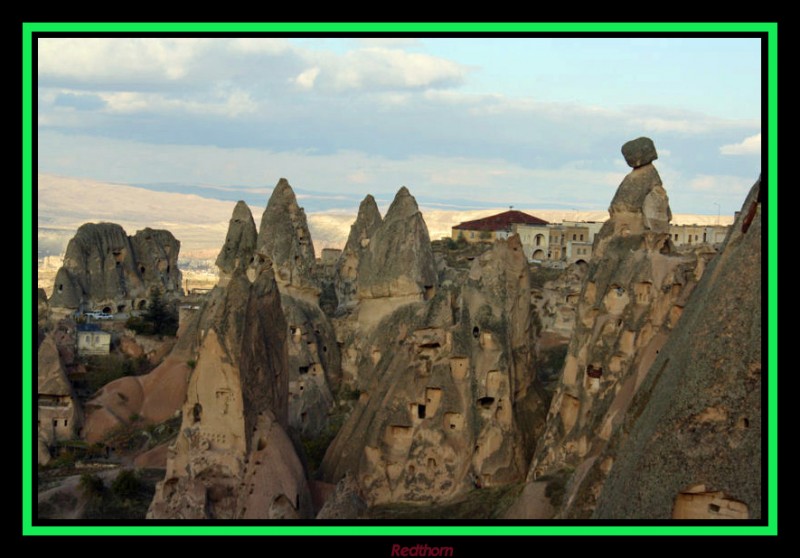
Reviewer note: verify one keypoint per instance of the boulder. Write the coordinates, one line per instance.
(639, 152)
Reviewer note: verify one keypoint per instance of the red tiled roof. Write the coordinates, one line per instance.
(501, 221)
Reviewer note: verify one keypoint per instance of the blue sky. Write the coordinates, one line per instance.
(464, 123)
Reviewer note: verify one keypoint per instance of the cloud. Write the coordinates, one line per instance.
(388, 42)
(383, 68)
(748, 146)
(261, 45)
(306, 78)
(128, 59)
(231, 103)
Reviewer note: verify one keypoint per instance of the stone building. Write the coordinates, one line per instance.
(92, 340)
(498, 226)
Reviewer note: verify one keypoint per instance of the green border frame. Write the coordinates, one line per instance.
(768, 28)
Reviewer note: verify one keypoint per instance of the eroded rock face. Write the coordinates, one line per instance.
(361, 232)
(398, 262)
(240, 243)
(59, 413)
(105, 269)
(232, 458)
(314, 365)
(442, 380)
(691, 445)
(284, 240)
(634, 294)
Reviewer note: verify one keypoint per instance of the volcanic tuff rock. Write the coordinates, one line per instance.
(633, 296)
(386, 264)
(361, 232)
(691, 444)
(314, 365)
(639, 152)
(240, 243)
(59, 414)
(106, 269)
(284, 240)
(398, 261)
(232, 458)
(447, 382)
(640, 204)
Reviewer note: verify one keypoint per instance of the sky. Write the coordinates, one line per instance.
(464, 123)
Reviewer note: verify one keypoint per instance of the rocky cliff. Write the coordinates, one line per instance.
(233, 458)
(105, 269)
(635, 291)
(442, 381)
(284, 240)
(367, 222)
(690, 447)
(240, 243)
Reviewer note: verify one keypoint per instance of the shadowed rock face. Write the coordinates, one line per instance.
(361, 232)
(284, 239)
(691, 445)
(240, 242)
(232, 437)
(443, 380)
(633, 296)
(232, 457)
(103, 267)
(314, 365)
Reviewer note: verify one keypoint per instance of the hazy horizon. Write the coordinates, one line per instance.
(465, 123)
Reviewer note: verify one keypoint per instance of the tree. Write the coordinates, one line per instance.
(158, 319)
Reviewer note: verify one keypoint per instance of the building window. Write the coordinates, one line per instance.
(581, 237)
(573, 237)
(88, 338)
(695, 237)
(676, 238)
(472, 235)
(65, 422)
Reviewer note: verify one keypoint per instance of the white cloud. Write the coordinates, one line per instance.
(388, 42)
(124, 58)
(261, 45)
(231, 103)
(306, 79)
(390, 68)
(748, 146)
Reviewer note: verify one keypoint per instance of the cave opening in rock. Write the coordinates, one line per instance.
(486, 402)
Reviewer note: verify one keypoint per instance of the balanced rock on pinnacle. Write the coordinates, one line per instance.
(639, 152)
